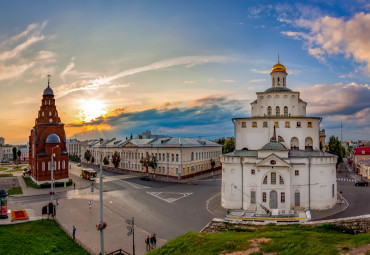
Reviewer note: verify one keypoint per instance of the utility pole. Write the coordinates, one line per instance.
(101, 206)
(131, 231)
(341, 134)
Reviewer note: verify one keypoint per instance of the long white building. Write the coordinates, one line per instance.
(177, 157)
(277, 160)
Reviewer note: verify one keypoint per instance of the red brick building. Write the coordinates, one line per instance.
(47, 137)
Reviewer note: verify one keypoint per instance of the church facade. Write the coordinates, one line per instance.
(48, 138)
(277, 160)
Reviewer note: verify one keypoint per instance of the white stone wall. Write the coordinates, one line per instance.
(255, 138)
(321, 173)
(281, 99)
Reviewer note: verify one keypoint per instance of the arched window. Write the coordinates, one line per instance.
(269, 111)
(273, 82)
(308, 144)
(43, 166)
(285, 111)
(283, 81)
(332, 191)
(278, 80)
(297, 198)
(265, 180)
(294, 143)
(281, 180)
(42, 114)
(58, 165)
(273, 178)
(192, 156)
(49, 113)
(277, 111)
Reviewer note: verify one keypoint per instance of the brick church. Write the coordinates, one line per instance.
(47, 138)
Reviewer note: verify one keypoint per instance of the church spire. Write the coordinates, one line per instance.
(48, 80)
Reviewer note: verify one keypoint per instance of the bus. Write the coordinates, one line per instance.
(88, 174)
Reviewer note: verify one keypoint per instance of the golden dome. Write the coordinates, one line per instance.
(278, 68)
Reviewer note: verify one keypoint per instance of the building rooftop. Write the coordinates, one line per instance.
(277, 89)
(273, 146)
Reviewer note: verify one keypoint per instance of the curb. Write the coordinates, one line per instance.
(333, 214)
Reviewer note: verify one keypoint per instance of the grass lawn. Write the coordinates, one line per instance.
(37, 237)
(293, 239)
(15, 170)
(6, 175)
(30, 183)
(3, 168)
(14, 191)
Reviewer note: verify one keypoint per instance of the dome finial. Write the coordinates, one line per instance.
(48, 80)
(278, 58)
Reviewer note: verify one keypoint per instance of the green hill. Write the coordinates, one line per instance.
(289, 239)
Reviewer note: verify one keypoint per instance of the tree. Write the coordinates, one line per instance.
(145, 162)
(213, 163)
(14, 153)
(106, 161)
(87, 155)
(92, 160)
(116, 159)
(335, 147)
(221, 141)
(229, 145)
(153, 163)
(19, 154)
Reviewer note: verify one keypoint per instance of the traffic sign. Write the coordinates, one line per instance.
(129, 222)
(129, 228)
(130, 233)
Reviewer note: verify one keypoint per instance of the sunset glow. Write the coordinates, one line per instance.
(91, 109)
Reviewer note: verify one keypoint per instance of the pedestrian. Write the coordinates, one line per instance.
(90, 204)
(74, 185)
(147, 243)
(57, 201)
(74, 232)
(154, 241)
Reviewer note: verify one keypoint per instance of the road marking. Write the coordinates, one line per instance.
(208, 180)
(169, 197)
(209, 200)
(136, 186)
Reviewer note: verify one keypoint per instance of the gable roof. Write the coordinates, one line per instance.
(361, 151)
(279, 162)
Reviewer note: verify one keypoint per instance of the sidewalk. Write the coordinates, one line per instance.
(75, 212)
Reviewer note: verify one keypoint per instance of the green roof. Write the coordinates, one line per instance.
(278, 89)
(273, 146)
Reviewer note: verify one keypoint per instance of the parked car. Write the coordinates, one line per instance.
(361, 183)
(145, 178)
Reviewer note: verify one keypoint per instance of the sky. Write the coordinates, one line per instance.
(180, 68)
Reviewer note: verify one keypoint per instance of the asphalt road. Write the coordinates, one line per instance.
(356, 196)
(165, 208)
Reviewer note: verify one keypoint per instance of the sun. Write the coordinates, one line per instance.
(91, 109)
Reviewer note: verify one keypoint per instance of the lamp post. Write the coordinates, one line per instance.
(101, 205)
(52, 174)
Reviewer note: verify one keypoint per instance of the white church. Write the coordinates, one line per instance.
(277, 160)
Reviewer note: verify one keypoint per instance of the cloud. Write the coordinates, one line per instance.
(337, 99)
(178, 119)
(68, 68)
(229, 81)
(188, 61)
(13, 59)
(331, 36)
(257, 80)
(254, 70)
(190, 82)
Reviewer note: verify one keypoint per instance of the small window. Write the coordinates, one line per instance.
(264, 197)
(273, 178)
(253, 171)
(172, 157)
(254, 124)
(269, 111)
(282, 197)
(287, 124)
(265, 124)
(281, 179)
(298, 124)
(286, 111)
(265, 180)
(244, 124)
(296, 172)
(309, 124)
(177, 157)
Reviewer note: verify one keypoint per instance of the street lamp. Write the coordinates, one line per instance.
(52, 174)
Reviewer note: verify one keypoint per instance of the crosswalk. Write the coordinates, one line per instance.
(346, 180)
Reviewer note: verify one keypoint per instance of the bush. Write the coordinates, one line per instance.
(57, 184)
